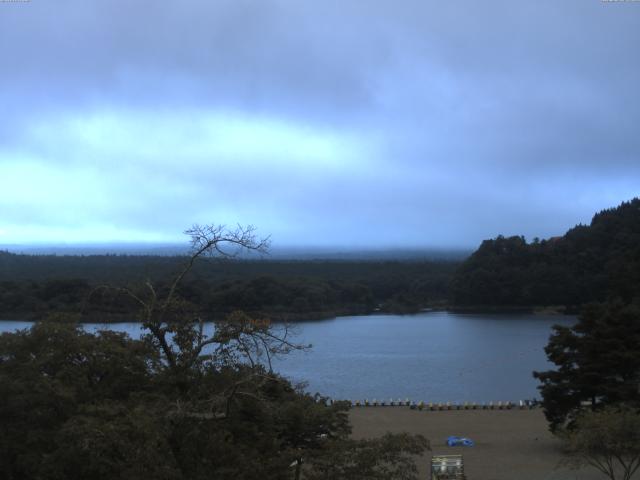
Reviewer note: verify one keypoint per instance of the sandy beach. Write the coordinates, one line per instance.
(509, 444)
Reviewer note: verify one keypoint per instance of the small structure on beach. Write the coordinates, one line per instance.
(447, 467)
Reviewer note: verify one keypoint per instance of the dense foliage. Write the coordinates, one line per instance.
(589, 263)
(31, 286)
(82, 406)
(598, 362)
(608, 440)
(182, 403)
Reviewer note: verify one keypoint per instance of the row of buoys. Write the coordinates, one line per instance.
(465, 406)
(522, 405)
(382, 403)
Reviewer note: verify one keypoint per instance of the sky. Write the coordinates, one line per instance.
(362, 124)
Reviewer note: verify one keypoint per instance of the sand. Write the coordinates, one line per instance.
(509, 444)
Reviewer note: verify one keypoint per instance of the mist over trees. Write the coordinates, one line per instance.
(589, 263)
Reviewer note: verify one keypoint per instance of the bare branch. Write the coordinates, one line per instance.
(208, 240)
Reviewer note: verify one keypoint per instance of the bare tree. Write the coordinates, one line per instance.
(177, 329)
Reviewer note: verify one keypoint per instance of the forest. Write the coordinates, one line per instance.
(212, 407)
(31, 286)
(177, 404)
(589, 263)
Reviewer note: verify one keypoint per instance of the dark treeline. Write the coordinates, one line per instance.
(33, 286)
(587, 264)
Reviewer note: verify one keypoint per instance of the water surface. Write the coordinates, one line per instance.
(434, 356)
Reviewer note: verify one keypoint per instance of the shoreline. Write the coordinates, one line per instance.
(289, 317)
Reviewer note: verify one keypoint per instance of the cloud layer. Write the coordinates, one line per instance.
(375, 124)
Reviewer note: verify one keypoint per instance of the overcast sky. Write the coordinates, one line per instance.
(379, 123)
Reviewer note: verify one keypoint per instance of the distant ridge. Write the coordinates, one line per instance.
(275, 253)
(147, 249)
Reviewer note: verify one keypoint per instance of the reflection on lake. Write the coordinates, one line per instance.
(434, 356)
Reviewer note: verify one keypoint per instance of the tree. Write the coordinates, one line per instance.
(598, 362)
(587, 264)
(181, 403)
(164, 314)
(608, 440)
(388, 457)
(50, 378)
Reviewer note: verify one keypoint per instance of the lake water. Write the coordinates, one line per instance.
(433, 356)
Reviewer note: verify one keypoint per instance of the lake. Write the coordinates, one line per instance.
(432, 356)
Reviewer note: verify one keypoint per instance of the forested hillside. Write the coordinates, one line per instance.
(589, 263)
(33, 286)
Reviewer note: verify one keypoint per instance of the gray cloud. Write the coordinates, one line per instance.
(396, 123)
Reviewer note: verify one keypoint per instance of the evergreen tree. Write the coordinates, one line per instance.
(588, 264)
(598, 362)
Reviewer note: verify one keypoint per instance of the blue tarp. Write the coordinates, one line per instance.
(459, 442)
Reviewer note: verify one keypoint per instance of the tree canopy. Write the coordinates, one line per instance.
(181, 403)
(31, 286)
(598, 362)
(588, 264)
(608, 440)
